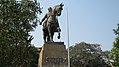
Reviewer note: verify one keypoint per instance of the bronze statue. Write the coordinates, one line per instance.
(50, 24)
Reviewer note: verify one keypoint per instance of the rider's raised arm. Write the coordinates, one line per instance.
(43, 18)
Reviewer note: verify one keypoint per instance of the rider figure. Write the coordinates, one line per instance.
(47, 15)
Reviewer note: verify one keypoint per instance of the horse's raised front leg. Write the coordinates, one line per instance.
(59, 30)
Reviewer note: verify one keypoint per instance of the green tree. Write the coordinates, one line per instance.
(105, 55)
(115, 50)
(86, 55)
(34, 56)
(17, 20)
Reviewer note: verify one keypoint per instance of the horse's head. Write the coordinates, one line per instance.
(58, 9)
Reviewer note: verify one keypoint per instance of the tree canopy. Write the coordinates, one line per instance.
(115, 50)
(17, 20)
(86, 55)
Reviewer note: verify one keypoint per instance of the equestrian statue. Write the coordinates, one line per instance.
(50, 23)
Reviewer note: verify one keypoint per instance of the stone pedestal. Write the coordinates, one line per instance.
(53, 54)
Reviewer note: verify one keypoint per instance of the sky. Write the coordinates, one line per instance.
(90, 21)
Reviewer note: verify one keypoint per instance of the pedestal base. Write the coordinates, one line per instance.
(53, 54)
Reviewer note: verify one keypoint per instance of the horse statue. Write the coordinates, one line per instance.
(51, 25)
